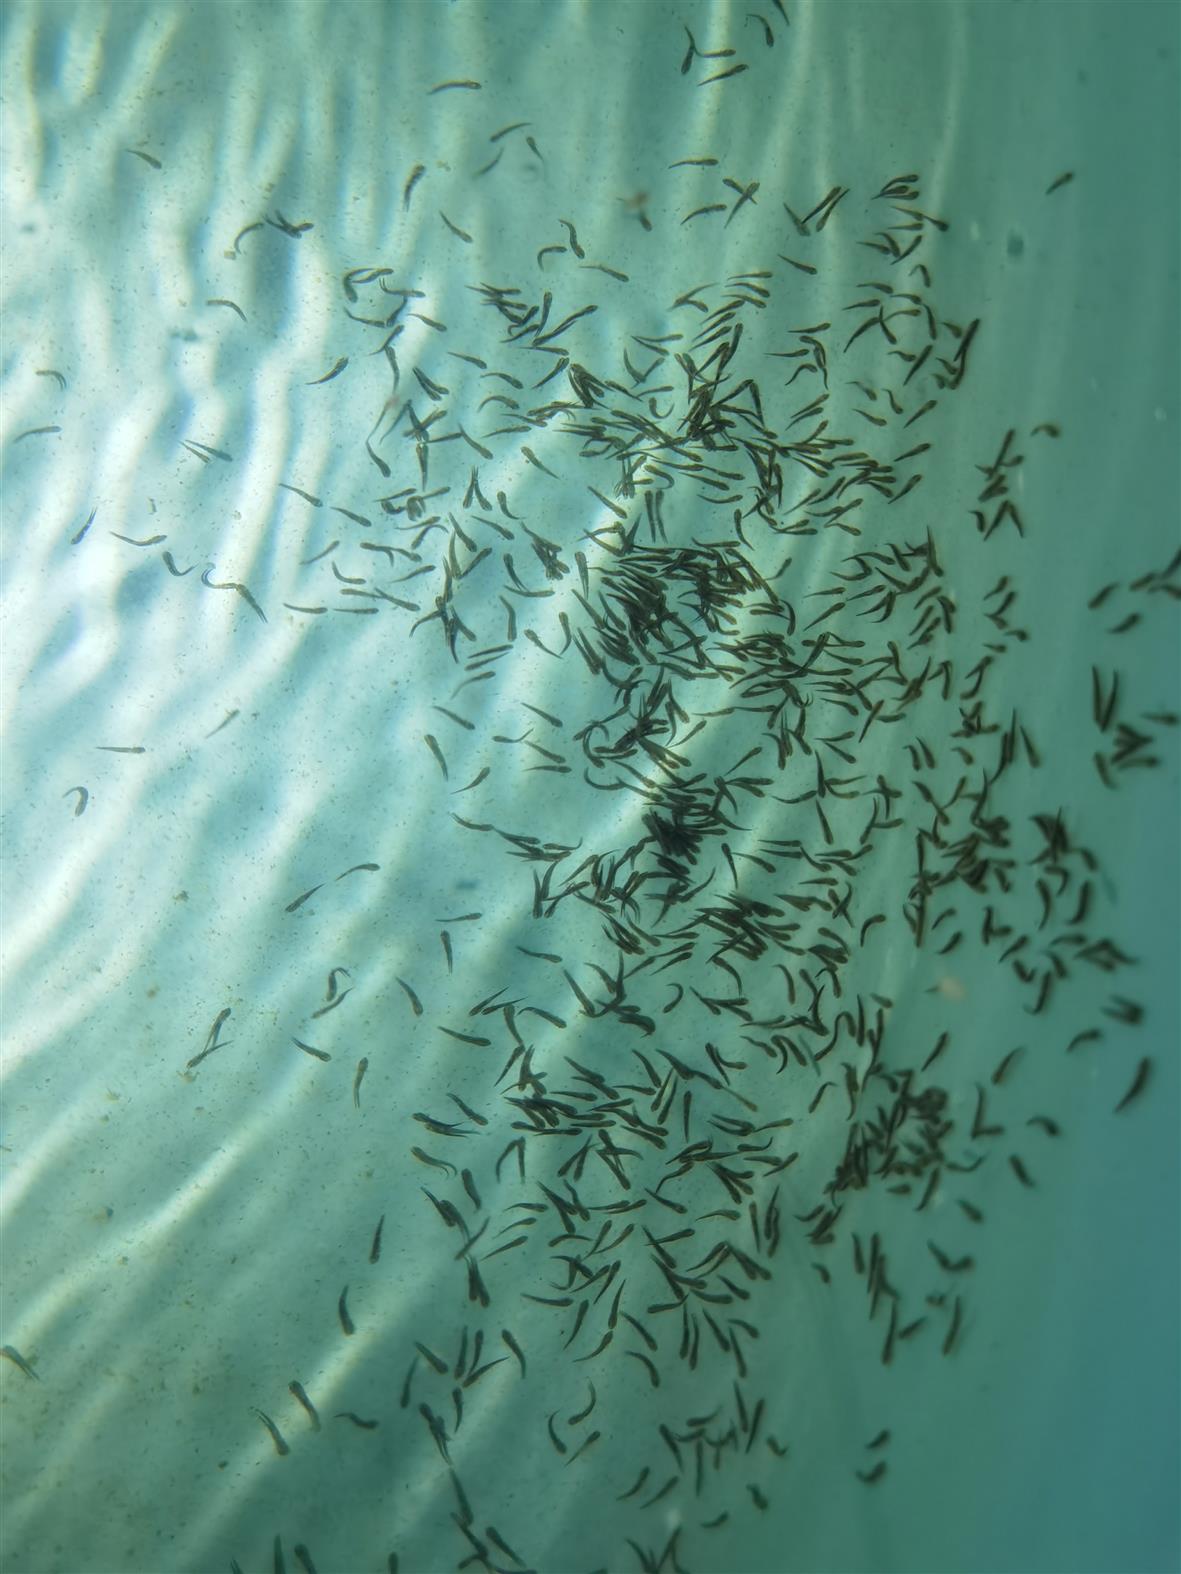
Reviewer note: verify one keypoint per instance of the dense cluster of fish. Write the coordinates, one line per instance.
(656, 1131)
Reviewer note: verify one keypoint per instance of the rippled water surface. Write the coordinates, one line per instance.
(590, 787)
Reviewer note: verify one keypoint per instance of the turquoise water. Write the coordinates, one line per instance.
(590, 788)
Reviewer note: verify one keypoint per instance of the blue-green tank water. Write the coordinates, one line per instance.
(590, 786)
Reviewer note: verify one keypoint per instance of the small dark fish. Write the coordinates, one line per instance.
(257, 225)
(309, 1049)
(287, 227)
(298, 1390)
(536, 462)
(328, 376)
(940, 1046)
(362, 1068)
(1062, 180)
(74, 540)
(219, 300)
(432, 745)
(83, 799)
(514, 1347)
(768, 35)
(332, 1005)
(653, 1374)
(442, 87)
(212, 1041)
(308, 497)
(300, 900)
(631, 1492)
(601, 267)
(1122, 1010)
(441, 1128)
(351, 1415)
(147, 157)
(438, 1431)
(346, 1322)
(233, 584)
(581, 1416)
(1138, 1082)
(375, 1249)
(573, 236)
(437, 1164)
(714, 207)
(544, 956)
(454, 228)
(331, 992)
(720, 76)
(229, 718)
(416, 175)
(480, 1120)
(502, 1545)
(415, 1002)
(945, 1262)
(584, 1445)
(999, 1074)
(954, 1327)
(281, 1447)
(18, 1359)
(1050, 1127)
(465, 1038)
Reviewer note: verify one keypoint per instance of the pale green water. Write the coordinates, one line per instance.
(645, 939)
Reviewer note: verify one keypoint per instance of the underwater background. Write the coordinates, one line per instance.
(590, 787)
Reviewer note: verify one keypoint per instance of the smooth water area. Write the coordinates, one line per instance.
(590, 787)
